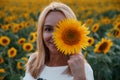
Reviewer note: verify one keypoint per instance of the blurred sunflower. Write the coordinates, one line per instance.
(2, 77)
(116, 33)
(19, 65)
(12, 52)
(25, 59)
(90, 21)
(5, 27)
(2, 70)
(95, 27)
(27, 47)
(70, 36)
(1, 60)
(21, 41)
(103, 46)
(91, 41)
(0, 25)
(32, 37)
(4, 40)
(117, 26)
(15, 28)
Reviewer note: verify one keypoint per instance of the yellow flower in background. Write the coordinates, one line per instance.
(89, 21)
(19, 65)
(95, 27)
(27, 47)
(2, 70)
(4, 40)
(12, 52)
(70, 36)
(25, 59)
(2, 77)
(116, 33)
(103, 46)
(91, 41)
(21, 41)
(1, 60)
(32, 37)
(0, 25)
(117, 26)
(15, 28)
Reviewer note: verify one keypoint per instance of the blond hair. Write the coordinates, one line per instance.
(37, 60)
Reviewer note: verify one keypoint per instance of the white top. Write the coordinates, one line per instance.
(57, 73)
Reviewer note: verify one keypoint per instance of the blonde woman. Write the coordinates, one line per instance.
(48, 63)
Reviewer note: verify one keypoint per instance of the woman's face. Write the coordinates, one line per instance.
(50, 23)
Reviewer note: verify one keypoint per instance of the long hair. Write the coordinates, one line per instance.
(37, 60)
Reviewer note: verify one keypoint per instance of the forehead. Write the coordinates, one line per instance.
(53, 18)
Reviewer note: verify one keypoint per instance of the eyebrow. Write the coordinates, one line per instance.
(48, 26)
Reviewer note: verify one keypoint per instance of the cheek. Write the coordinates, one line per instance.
(46, 37)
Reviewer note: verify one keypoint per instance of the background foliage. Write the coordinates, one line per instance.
(18, 20)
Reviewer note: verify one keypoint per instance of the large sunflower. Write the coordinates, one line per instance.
(70, 36)
(103, 46)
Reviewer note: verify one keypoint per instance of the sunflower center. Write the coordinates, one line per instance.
(103, 46)
(27, 47)
(0, 60)
(71, 37)
(22, 41)
(90, 41)
(119, 26)
(11, 52)
(5, 41)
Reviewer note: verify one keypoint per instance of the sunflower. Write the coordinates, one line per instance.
(32, 37)
(12, 52)
(4, 40)
(116, 33)
(117, 26)
(2, 70)
(103, 46)
(95, 27)
(70, 36)
(90, 21)
(2, 77)
(19, 65)
(91, 41)
(0, 25)
(21, 41)
(1, 60)
(27, 47)
(25, 59)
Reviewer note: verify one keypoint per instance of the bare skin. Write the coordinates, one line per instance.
(75, 62)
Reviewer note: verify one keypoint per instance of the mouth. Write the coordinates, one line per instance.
(52, 43)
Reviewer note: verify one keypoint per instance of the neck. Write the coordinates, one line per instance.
(57, 59)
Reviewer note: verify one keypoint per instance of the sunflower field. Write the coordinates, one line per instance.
(18, 25)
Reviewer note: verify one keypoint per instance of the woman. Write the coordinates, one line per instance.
(48, 63)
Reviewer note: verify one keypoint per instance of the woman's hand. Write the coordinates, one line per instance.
(76, 64)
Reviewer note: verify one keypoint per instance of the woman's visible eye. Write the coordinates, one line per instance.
(48, 29)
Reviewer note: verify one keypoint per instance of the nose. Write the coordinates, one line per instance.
(51, 38)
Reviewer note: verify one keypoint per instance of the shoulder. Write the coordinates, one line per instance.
(89, 72)
(28, 76)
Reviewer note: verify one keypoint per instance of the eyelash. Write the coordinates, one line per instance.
(48, 29)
